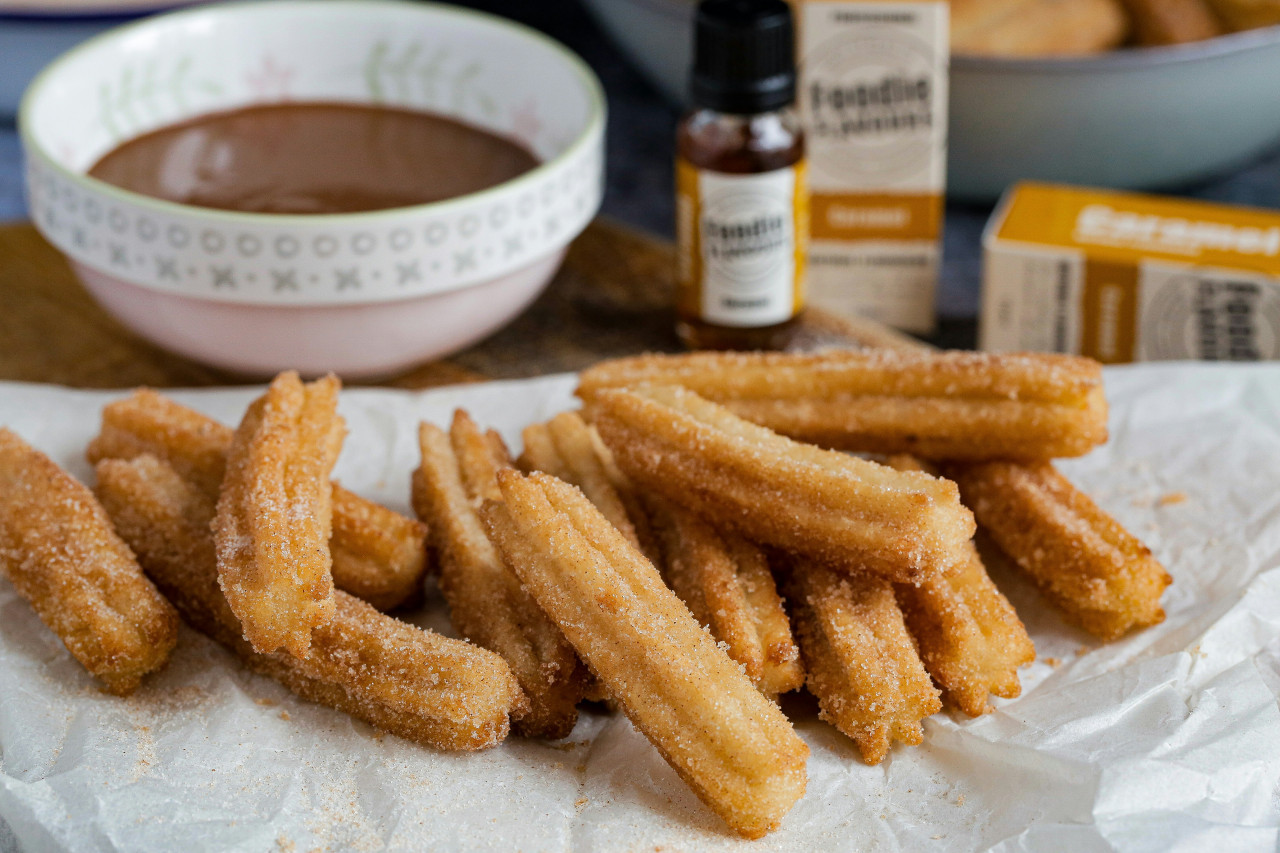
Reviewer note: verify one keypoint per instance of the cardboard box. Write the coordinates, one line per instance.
(1123, 277)
(873, 95)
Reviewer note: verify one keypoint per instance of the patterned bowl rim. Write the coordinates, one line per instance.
(591, 132)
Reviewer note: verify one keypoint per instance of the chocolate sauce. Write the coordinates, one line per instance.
(313, 158)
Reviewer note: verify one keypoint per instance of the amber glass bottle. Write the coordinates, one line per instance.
(741, 195)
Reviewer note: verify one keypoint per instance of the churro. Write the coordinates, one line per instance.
(1038, 27)
(562, 447)
(568, 448)
(728, 742)
(968, 634)
(860, 661)
(274, 514)
(58, 550)
(948, 405)
(416, 684)
(725, 582)
(903, 525)
(486, 602)
(1247, 14)
(1084, 561)
(378, 555)
(1157, 22)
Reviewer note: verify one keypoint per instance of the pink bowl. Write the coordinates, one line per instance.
(356, 341)
(361, 295)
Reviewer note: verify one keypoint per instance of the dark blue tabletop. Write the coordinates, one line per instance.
(640, 177)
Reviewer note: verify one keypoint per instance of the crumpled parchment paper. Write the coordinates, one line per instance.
(1167, 740)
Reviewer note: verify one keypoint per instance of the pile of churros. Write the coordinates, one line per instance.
(1080, 27)
(708, 532)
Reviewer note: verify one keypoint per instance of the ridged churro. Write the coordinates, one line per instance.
(1157, 22)
(275, 514)
(968, 634)
(903, 525)
(1084, 561)
(416, 684)
(729, 743)
(486, 602)
(378, 555)
(58, 550)
(1247, 14)
(1038, 27)
(563, 448)
(861, 663)
(726, 583)
(949, 405)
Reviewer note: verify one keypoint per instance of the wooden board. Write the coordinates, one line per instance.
(612, 297)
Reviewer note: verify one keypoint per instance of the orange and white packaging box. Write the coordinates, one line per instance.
(873, 95)
(1123, 277)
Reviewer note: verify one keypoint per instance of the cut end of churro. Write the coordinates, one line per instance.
(1101, 576)
(862, 664)
(274, 517)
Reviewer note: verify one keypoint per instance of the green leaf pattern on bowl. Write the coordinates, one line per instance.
(143, 96)
(428, 76)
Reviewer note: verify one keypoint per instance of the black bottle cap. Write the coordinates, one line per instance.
(744, 56)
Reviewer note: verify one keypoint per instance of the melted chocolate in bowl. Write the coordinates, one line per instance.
(314, 158)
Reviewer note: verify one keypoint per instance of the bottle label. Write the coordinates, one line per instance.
(741, 245)
(873, 97)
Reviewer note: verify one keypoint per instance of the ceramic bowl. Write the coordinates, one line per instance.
(360, 294)
(1151, 118)
(1140, 119)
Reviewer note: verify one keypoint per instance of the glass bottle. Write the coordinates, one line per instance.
(742, 199)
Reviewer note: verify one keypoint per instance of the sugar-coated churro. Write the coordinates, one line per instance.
(486, 602)
(726, 583)
(378, 555)
(1084, 561)
(1157, 22)
(1037, 27)
(949, 405)
(729, 743)
(568, 448)
(903, 525)
(58, 550)
(1247, 14)
(274, 514)
(968, 634)
(413, 683)
(860, 661)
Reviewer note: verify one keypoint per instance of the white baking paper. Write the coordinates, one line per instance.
(1168, 740)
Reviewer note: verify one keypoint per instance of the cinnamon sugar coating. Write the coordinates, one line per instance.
(694, 704)
(413, 683)
(487, 604)
(954, 405)
(274, 515)
(58, 550)
(1085, 562)
(378, 555)
(725, 582)
(968, 634)
(903, 525)
(862, 665)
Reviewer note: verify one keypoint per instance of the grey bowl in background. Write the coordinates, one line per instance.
(1140, 119)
